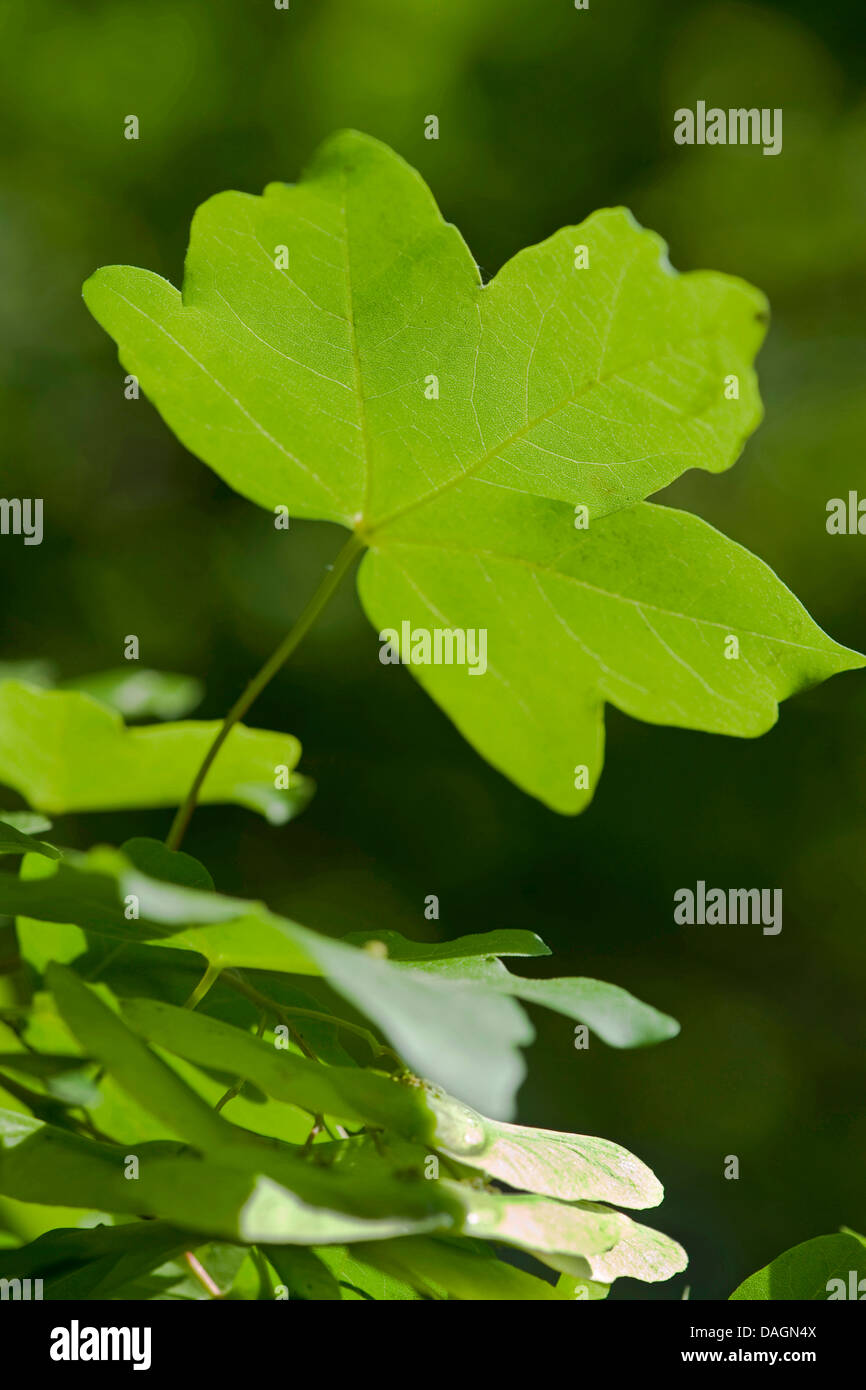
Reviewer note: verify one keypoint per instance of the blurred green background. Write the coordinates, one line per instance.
(545, 113)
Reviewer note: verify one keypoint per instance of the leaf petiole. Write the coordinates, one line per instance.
(278, 658)
(205, 984)
(280, 1010)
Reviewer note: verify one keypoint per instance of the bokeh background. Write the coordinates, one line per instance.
(546, 113)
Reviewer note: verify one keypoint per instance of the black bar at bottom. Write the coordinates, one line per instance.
(66, 1339)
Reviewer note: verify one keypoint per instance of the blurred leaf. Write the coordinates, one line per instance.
(40, 1064)
(153, 858)
(63, 1076)
(13, 840)
(138, 693)
(806, 1271)
(28, 822)
(40, 673)
(64, 751)
(793, 220)
(29, 1220)
(40, 941)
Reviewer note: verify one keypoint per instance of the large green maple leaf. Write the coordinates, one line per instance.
(334, 351)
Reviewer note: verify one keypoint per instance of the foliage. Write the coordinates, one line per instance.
(827, 1268)
(295, 1148)
(363, 1167)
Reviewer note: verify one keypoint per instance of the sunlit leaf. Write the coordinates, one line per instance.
(639, 1253)
(571, 1167)
(539, 1224)
(360, 1281)
(64, 751)
(334, 350)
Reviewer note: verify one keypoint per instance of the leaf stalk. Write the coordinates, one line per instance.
(278, 658)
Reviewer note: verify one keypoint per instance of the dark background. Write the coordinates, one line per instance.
(546, 113)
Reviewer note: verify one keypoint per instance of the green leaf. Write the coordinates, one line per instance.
(303, 1273)
(153, 858)
(26, 1221)
(616, 1016)
(462, 1035)
(446, 1018)
(639, 1253)
(824, 1269)
(638, 612)
(319, 367)
(64, 1077)
(136, 692)
(222, 1263)
(64, 751)
(571, 1167)
(118, 1117)
(573, 1288)
(543, 1161)
(39, 1064)
(538, 1224)
(461, 1269)
(96, 1262)
(613, 1013)
(347, 1093)
(432, 954)
(28, 822)
(42, 941)
(334, 350)
(105, 1037)
(361, 1281)
(13, 840)
(42, 673)
(236, 1200)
